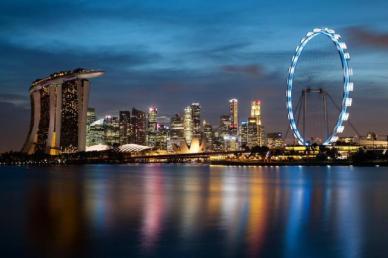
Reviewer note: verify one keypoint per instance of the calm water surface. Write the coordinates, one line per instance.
(193, 211)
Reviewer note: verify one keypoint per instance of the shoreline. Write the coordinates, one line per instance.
(210, 163)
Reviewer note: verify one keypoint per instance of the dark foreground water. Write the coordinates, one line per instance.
(193, 211)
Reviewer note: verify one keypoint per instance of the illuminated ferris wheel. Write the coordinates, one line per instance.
(297, 110)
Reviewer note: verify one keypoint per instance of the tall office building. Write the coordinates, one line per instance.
(208, 136)
(176, 137)
(220, 133)
(96, 133)
(125, 127)
(152, 119)
(188, 124)
(138, 122)
(255, 130)
(196, 115)
(112, 130)
(256, 110)
(162, 136)
(163, 133)
(225, 124)
(152, 126)
(90, 118)
(233, 109)
(224, 131)
(243, 135)
(59, 105)
(252, 133)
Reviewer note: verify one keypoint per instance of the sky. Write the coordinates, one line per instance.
(172, 53)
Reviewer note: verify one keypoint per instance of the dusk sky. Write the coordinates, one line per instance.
(173, 53)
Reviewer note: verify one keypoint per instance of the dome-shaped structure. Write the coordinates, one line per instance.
(133, 148)
(98, 147)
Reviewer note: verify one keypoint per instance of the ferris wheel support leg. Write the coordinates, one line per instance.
(304, 112)
(326, 117)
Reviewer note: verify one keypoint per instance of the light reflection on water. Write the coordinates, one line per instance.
(193, 211)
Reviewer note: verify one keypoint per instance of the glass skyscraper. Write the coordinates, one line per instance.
(188, 124)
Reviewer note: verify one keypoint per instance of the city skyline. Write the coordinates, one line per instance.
(189, 52)
(185, 131)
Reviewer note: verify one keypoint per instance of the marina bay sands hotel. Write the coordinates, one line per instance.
(59, 105)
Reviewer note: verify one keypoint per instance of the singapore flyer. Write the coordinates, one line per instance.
(297, 111)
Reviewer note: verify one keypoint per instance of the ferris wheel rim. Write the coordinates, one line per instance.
(347, 85)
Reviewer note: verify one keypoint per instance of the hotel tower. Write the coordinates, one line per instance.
(59, 105)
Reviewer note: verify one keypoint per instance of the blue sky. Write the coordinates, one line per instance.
(172, 53)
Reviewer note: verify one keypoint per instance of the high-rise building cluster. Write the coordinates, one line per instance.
(182, 132)
(62, 122)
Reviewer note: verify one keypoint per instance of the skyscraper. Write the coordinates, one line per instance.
(176, 138)
(152, 119)
(208, 136)
(188, 124)
(233, 108)
(90, 118)
(220, 133)
(256, 110)
(138, 122)
(125, 127)
(255, 130)
(59, 106)
(163, 132)
(196, 115)
(161, 141)
(96, 133)
(112, 130)
(243, 135)
(225, 125)
(152, 126)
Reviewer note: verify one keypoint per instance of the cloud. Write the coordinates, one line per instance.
(252, 69)
(365, 36)
(15, 99)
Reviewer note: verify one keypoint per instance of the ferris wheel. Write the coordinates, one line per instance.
(297, 109)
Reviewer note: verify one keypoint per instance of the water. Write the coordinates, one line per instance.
(193, 211)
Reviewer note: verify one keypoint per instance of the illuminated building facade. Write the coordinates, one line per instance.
(161, 138)
(255, 129)
(230, 142)
(152, 126)
(225, 124)
(112, 130)
(176, 137)
(59, 105)
(233, 108)
(96, 133)
(90, 118)
(196, 115)
(188, 124)
(125, 127)
(243, 135)
(207, 136)
(138, 122)
(163, 132)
